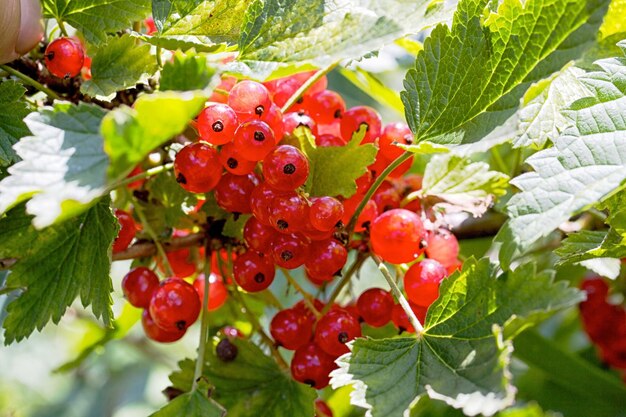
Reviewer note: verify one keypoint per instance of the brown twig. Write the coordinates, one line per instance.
(144, 249)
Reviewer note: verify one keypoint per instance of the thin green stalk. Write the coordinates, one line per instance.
(6, 290)
(33, 83)
(146, 174)
(516, 162)
(312, 80)
(204, 320)
(62, 27)
(307, 298)
(399, 296)
(356, 265)
(373, 188)
(499, 161)
(158, 56)
(146, 226)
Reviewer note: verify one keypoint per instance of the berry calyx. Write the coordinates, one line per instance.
(64, 57)
(138, 285)
(175, 305)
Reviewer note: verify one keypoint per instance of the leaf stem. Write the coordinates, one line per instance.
(146, 226)
(308, 83)
(62, 27)
(146, 174)
(498, 160)
(6, 290)
(399, 296)
(356, 265)
(204, 320)
(399, 160)
(33, 83)
(158, 57)
(307, 298)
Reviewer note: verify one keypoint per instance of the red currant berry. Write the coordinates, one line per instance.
(127, 232)
(233, 162)
(386, 197)
(285, 168)
(400, 319)
(156, 333)
(596, 288)
(217, 290)
(366, 217)
(327, 106)
(355, 117)
(374, 306)
(327, 140)
(311, 365)
(249, 98)
(217, 124)
(394, 133)
(181, 262)
(287, 212)
(364, 182)
(135, 184)
(336, 329)
(291, 329)
(253, 271)
(322, 409)
(421, 281)
(327, 258)
(396, 234)
(303, 309)
(233, 192)
(175, 305)
(258, 236)
(442, 246)
(64, 57)
(293, 120)
(138, 285)
(221, 92)
(325, 213)
(261, 200)
(254, 140)
(290, 251)
(274, 118)
(197, 168)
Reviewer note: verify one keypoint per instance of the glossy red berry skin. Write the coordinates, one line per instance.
(326, 259)
(326, 140)
(254, 140)
(311, 365)
(421, 281)
(253, 272)
(322, 409)
(387, 197)
(233, 162)
(138, 285)
(401, 320)
(261, 201)
(287, 212)
(258, 236)
(217, 123)
(443, 247)
(156, 333)
(64, 57)
(293, 120)
(197, 168)
(233, 192)
(291, 329)
(396, 234)
(217, 291)
(394, 132)
(354, 117)
(290, 251)
(249, 98)
(127, 232)
(285, 168)
(367, 216)
(175, 305)
(274, 118)
(375, 306)
(325, 213)
(221, 92)
(181, 262)
(327, 107)
(334, 330)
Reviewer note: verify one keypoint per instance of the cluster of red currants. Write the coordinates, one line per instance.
(605, 323)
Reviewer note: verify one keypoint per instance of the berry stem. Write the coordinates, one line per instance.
(62, 27)
(6, 290)
(308, 298)
(419, 329)
(356, 265)
(399, 160)
(146, 226)
(144, 249)
(146, 174)
(204, 320)
(308, 83)
(258, 328)
(27, 80)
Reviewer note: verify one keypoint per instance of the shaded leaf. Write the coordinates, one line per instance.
(185, 73)
(12, 113)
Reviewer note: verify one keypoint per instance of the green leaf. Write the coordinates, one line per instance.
(464, 71)
(333, 170)
(456, 184)
(250, 385)
(12, 112)
(167, 196)
(587, 162)
(96, 18)
(322, 31)
(371, 86)
(614, 21)
(185, 73)
(191, 404)
(118, 65)
(218, 20)
(459, 358)
(131, 133)
(57, 264)
(590, 244)
(63, 165)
